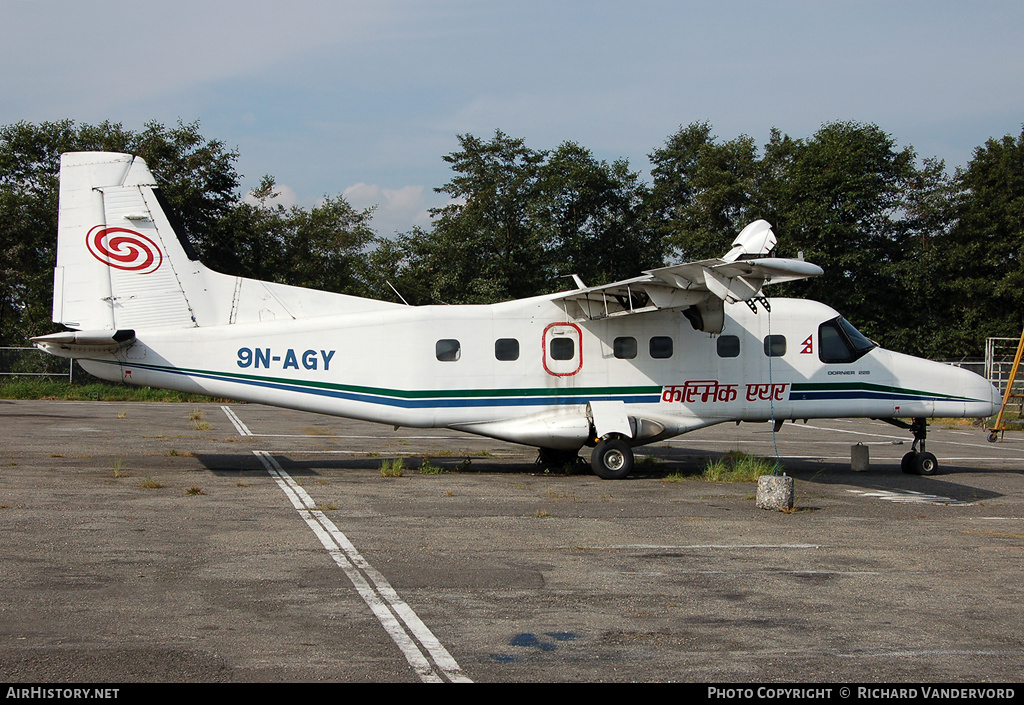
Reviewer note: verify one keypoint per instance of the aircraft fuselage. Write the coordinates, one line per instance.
(470, 367)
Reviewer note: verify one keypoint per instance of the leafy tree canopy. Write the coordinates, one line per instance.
(924, 261)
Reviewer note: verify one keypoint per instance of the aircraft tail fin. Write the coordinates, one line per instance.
(120, 264)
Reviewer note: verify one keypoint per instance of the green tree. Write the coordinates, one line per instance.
(703, 189)
(318, 248)
(838, 197)
(982, 278)
(519, 219)
(485, 244)
(920, 323)
(591, 216)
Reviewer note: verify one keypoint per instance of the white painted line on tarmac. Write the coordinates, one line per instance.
(398, 619)
(440, 455)
(990, 446)
(844, 430)
(240, 426)
(740, 546)
(911, 497)
(919, 653)
(884, 459)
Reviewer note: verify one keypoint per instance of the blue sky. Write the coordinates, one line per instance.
(365, 98)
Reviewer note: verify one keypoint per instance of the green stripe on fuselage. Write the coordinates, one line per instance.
(868, 387)
(411, 393)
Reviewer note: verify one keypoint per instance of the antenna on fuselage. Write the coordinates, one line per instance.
(397, 294)
(576, 279)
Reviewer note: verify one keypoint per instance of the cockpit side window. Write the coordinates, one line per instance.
(839, 342)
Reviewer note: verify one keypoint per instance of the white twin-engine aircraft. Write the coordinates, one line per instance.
(613, 367)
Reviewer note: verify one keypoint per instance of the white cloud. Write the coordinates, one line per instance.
(285, 196)
(397, 210)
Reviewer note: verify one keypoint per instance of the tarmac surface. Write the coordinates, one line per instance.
(167, 542)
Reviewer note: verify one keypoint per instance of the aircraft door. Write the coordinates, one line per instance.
(562, 349)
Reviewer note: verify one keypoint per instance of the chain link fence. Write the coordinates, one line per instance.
(32, 362)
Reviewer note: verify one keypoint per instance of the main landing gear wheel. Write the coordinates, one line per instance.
(612, 459)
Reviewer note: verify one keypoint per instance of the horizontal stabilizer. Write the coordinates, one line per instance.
(84, 342)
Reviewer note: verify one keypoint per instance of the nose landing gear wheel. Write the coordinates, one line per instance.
(926, 464)
(907, 464)
(918, 461)
(612, 459)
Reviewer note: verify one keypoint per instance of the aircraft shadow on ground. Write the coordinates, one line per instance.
(880, 476)
(887, 476)
(230, 465)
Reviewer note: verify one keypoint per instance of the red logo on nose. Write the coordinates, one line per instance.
(124, 249)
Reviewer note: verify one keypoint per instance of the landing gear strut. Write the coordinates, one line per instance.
(918, 461)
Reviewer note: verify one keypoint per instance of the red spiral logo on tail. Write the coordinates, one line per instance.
(124, 249)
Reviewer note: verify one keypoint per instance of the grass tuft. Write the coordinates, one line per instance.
(736, 466)
(117, 465)
(392, 467)
(196, 417)
(428, 468)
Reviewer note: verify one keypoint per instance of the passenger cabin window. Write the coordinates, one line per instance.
(839, 341)
(775, 345)
(506, 349)
(448, 350)
(624, 348)
(728, 346)
(562, 349)
(661, 347)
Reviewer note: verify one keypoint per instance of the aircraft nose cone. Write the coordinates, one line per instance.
(982, 399)
(989, 398)
(997, 399)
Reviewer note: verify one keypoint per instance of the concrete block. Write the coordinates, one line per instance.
(859, 460)
(775, 492)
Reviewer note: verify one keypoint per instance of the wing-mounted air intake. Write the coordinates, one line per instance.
(700, 288)
(755, 240)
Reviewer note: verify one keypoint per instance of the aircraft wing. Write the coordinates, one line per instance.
(706, 284)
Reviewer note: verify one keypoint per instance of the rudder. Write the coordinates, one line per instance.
(119, 262)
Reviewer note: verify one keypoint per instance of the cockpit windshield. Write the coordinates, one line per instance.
(839, 341)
